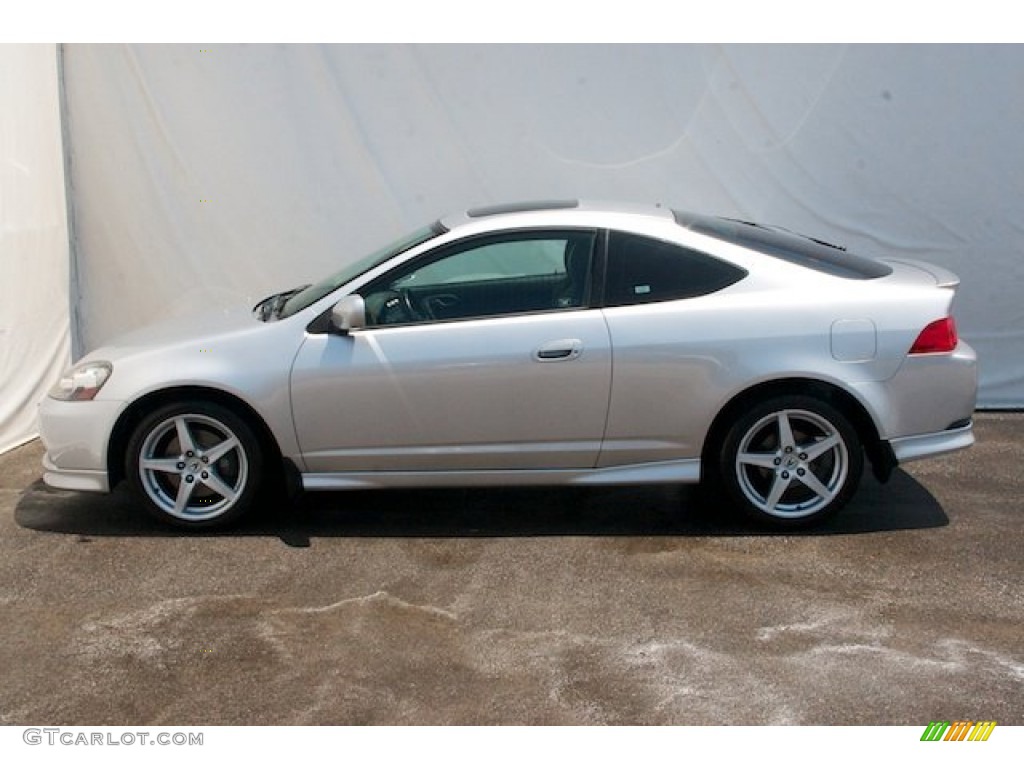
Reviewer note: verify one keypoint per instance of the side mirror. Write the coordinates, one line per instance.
(348, 315)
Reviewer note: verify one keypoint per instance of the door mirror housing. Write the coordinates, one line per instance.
(348, 315)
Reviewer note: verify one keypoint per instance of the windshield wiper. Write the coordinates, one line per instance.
(272, 305)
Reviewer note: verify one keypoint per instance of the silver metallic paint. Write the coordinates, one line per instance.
(465, 402)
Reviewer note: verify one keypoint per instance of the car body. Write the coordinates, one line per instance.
(548, 343)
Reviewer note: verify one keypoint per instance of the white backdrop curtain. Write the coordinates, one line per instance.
(34, 345)
(214, 175)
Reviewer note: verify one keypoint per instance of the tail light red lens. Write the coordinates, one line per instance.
(939, 336)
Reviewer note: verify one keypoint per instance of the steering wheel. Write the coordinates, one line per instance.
(410, 307)
(391, 307)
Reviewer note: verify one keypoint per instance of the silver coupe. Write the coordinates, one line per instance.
(547, 343)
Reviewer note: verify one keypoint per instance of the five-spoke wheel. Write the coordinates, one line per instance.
(195, 464)
(791, 460)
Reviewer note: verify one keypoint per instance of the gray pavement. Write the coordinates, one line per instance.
(527, 606)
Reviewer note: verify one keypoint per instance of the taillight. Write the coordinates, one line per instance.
(939, 336)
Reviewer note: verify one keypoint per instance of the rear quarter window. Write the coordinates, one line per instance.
(642, 270)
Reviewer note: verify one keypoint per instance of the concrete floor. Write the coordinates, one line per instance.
(619, 606)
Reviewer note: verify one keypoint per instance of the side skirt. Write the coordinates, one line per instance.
(683, 471)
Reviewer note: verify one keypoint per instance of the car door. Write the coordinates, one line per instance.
(482, 355)
(674, 356)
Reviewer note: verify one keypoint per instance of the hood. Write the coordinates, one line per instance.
(194, 328)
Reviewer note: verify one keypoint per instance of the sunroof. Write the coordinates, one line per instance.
(537, 205)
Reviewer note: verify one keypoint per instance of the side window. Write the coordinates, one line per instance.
(503, 274)
(499, 261)
(642, 270)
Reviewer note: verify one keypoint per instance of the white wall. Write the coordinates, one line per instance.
(34, 342)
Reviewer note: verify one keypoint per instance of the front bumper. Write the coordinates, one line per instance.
(76, 435)
(75, 479)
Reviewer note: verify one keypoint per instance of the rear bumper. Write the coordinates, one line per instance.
(934, 444)
(927, 395)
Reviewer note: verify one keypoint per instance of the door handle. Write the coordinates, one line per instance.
(562, 349)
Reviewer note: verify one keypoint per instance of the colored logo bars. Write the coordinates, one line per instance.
(961, 730)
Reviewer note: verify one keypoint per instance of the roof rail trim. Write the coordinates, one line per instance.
(537, 205)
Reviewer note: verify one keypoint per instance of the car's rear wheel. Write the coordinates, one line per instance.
(194, 464)
(791, 461)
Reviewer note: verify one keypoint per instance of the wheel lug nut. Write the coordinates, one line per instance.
(190, 454)
(206, 459)
(803, 457)
(785, 475)
(789, 449)
(800, 472)
(181, 465)
(777, 462)
(189, 478)
(205, 475)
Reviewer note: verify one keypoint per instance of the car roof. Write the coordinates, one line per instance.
(553, 211)
(757, 240)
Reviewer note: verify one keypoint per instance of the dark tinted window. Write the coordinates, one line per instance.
(789, 246)
(642, 270)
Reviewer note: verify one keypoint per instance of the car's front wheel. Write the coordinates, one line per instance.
(194, 464)
(791, 461)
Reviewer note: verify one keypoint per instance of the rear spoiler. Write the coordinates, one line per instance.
(943, 277)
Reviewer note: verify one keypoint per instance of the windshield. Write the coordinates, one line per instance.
(317, 291)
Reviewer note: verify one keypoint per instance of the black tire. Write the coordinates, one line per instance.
(194, 464)
(791, 462)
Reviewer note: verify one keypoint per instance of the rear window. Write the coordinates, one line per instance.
(785, 245)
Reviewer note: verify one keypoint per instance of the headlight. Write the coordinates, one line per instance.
(82, 382)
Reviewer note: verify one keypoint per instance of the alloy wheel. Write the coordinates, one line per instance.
(193, 467)
(792, 463)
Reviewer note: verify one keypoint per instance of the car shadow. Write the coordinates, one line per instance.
(902, 504)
